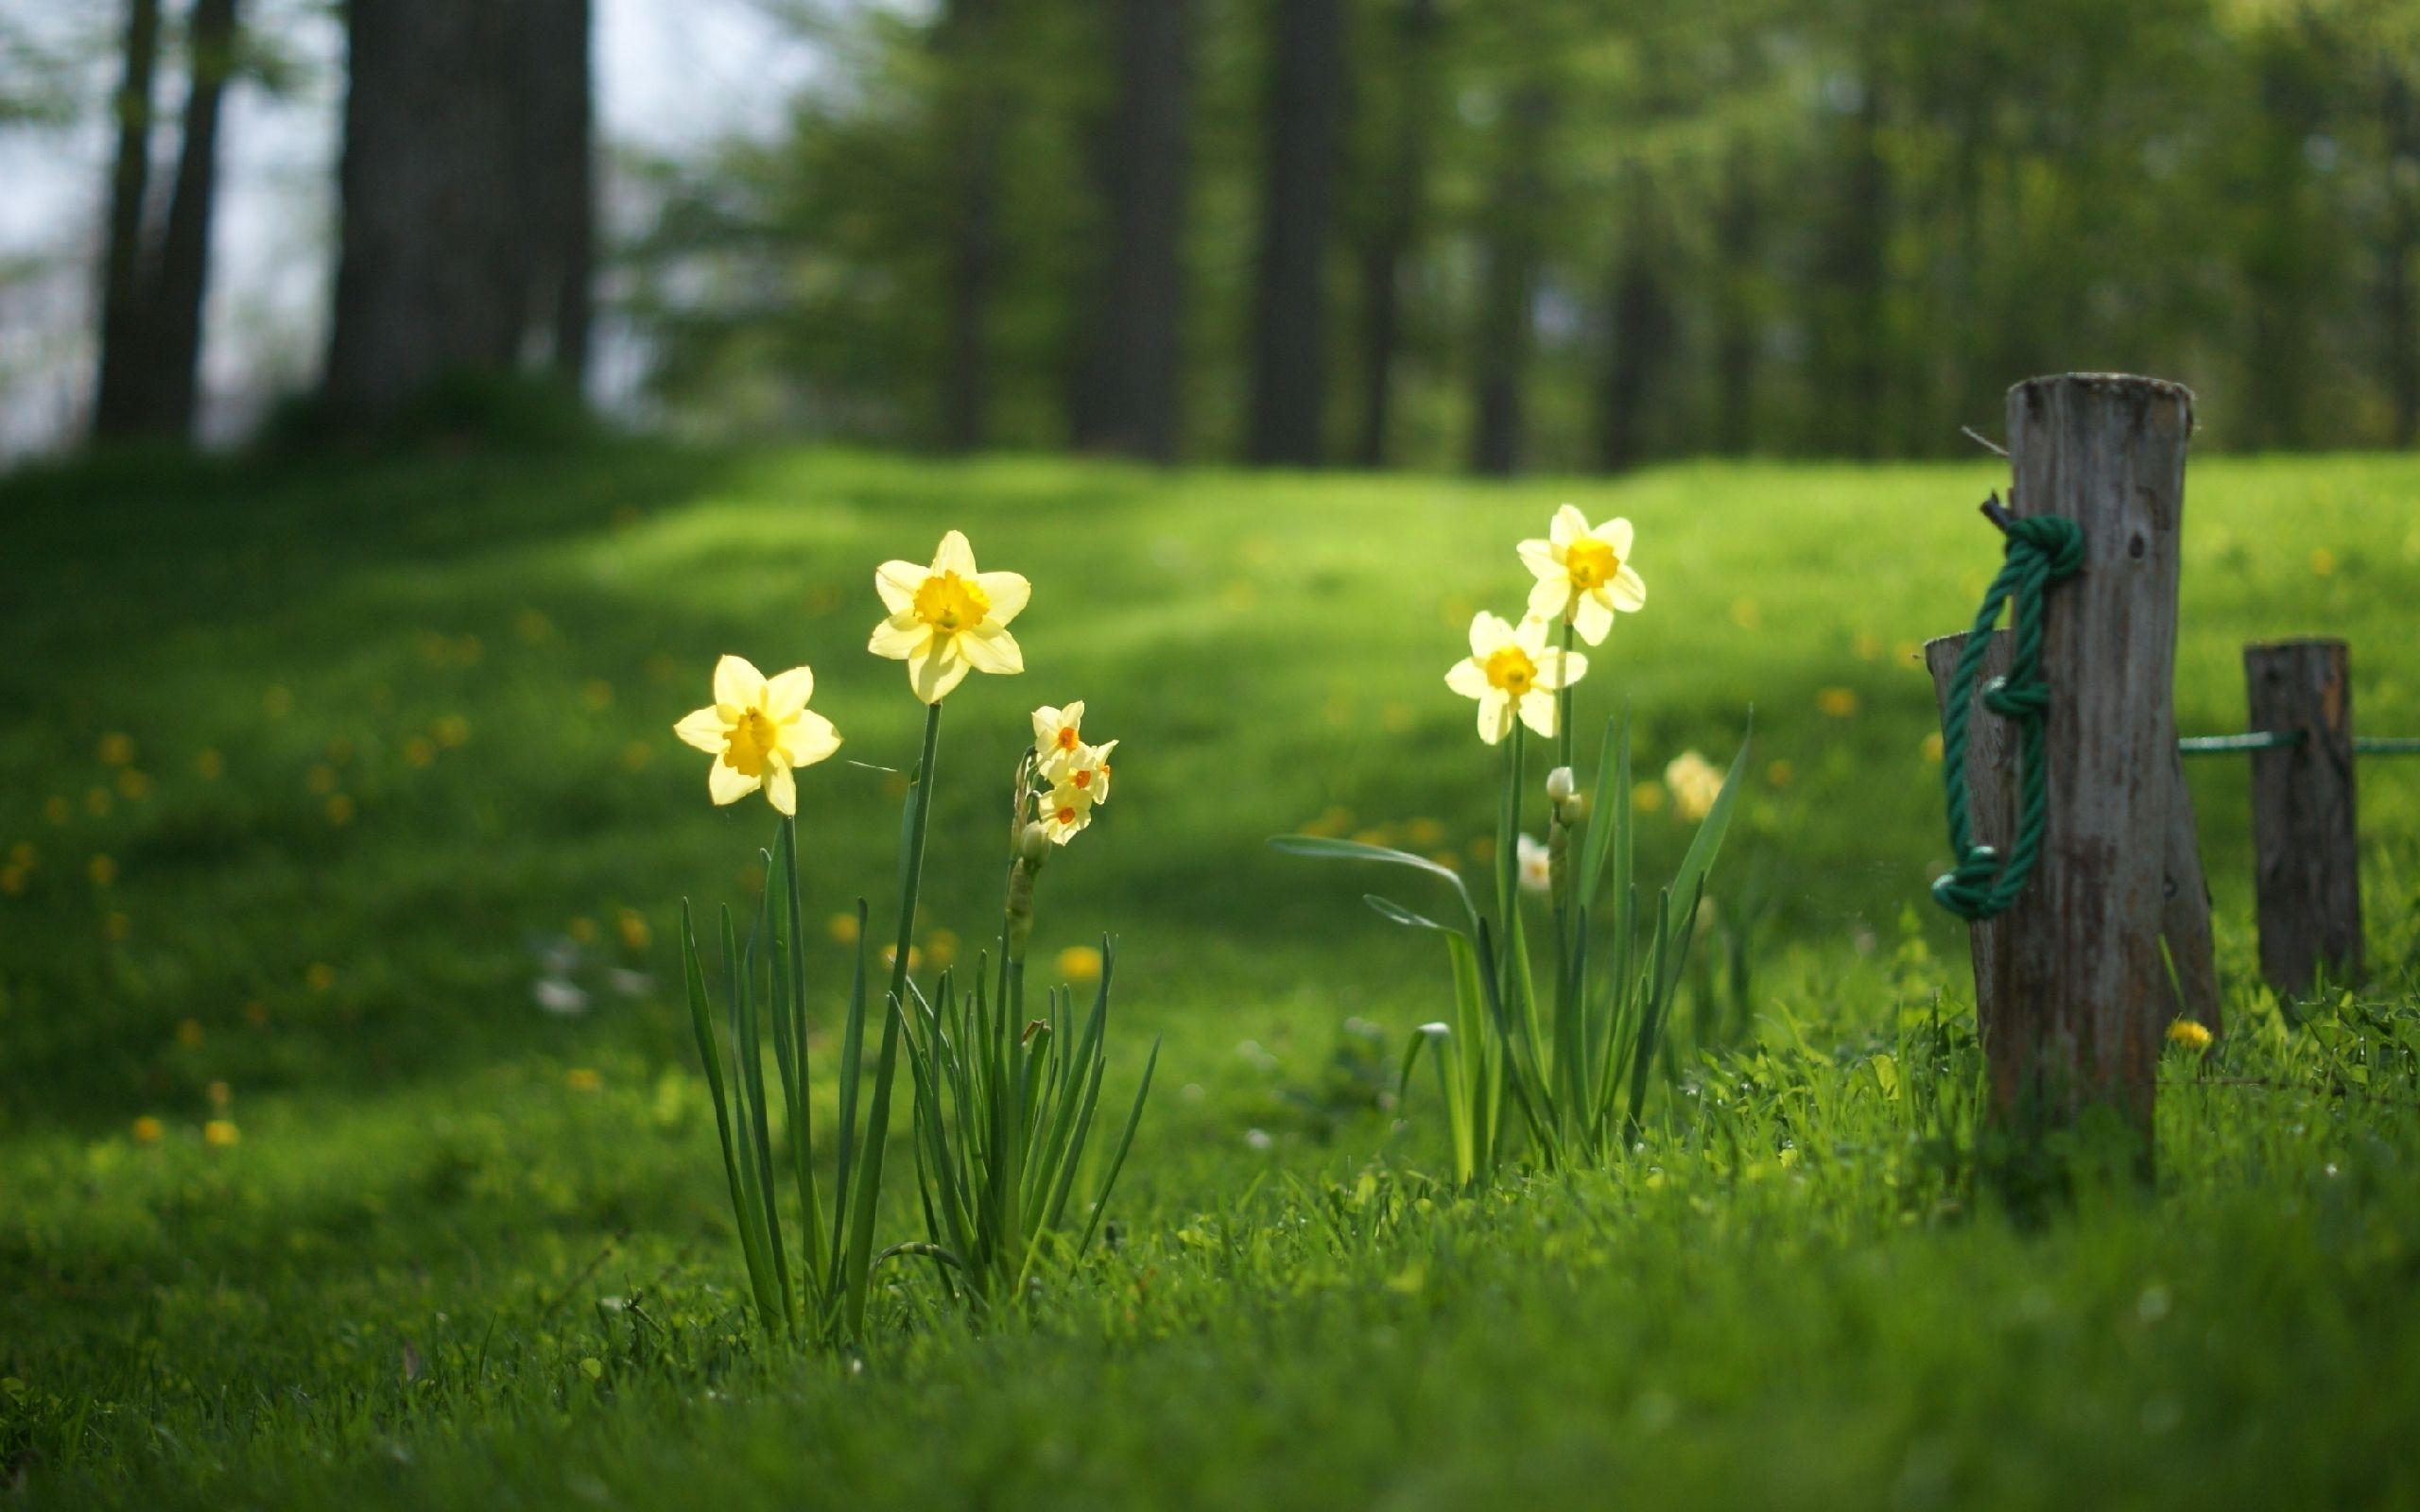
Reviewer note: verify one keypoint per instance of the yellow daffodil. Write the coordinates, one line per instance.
(1084, 769)
(947, 618)
(760, 732)
(1058, 732)
(1584, 573)
(1065, 810)
(1511, 673)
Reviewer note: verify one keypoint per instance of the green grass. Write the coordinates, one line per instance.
(470, 1252)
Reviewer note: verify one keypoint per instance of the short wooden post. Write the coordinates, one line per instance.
(1991, 785)
(2087, 992)
(2307, 865)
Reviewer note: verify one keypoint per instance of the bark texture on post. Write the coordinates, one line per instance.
(2185, 909)
(2088, 995)
(2307, 863)
(1990, 788)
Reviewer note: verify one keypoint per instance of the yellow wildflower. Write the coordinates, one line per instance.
(842, 928)
(116, 748)
(147, 1130)
(1058, 732)
(1066, 812)
(759, 731)
(1086, 768)
(2190, 1034)
(1841, 703)
(1695, 781)
(632, 926)
(947, 618)
(102, 871)
(582, 1079)
(1079, 963)
(941, 947)
(209, 765)
(1510, 672)
(220, 1133)
(1584, 573)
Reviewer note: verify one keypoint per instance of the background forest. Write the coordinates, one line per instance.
(1529, 234)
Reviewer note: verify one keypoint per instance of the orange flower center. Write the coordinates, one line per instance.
(1067, 815)
(1083, 778)
(1067, 737)
(1591, 563)
(949, 603)
(1510, 668)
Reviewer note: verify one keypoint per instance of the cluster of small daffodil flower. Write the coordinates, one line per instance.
(944, 620)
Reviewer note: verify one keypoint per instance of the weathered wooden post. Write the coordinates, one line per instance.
(1991, 778)
(2087, 994)
(2307, 865)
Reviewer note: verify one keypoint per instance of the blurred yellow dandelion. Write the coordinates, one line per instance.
(219, 1093)
(1423, 831)
(12, 879)
(582, 1079)
(419, 751)
(582, 929)
(2323, 562)
(319, 976)
(1745, 614)
(57, 810)
(132, 785)
(450, 731)
(532, 625)
(1839, 703)
(115, 749)
(941, 948)
(632, 926)
(1931, 745)
(149, 1129)
(1079, 963)
(637, 755)
(1780, 773)
(1647, 798)
(116, 925)
(221, 1133)
(257, 1015)
(597, 696)
(915, 956)
(339, 810)
(842, 928)
(209, 765)
(2190, 1034)
(102, 871)
(189, 1033)
(320, 778)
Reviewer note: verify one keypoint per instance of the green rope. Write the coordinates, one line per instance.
(2041, 550)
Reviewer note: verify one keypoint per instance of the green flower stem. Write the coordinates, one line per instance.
(869, 1177)
(1563, 699)
(1508, 861)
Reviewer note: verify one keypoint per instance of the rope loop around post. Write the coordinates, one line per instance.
(2042, 549)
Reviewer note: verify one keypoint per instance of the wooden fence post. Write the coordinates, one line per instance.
(2087, 991)
(2307, 865)
(1991, 785)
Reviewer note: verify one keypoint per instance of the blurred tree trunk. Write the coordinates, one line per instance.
(1641, 331)
(1848, 367)
(1507, 296)
(974, 112)
(466, 225)
(559, 173)
(2398, 323)
(1739, 226)
(1288, 400)
(1396, 234)
(173, 303)
(121, 263)
(1150, 173)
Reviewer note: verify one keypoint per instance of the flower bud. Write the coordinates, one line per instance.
(1020, 920)
(1558, 784)
(1033, 846)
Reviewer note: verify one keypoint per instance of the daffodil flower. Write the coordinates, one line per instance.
(947, 618)
(1511, 673)
(1584, 573)
(759, 731)
(1065, 810)
(1537, 866)
(1086, 768)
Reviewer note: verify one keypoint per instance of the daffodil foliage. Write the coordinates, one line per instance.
(1557, 1063)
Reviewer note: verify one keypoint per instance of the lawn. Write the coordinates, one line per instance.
(310, 774)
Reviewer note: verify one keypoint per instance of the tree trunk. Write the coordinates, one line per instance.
(973, 115)
(121, 266)
(1288, 398)
(1150, 162)
(1508, 285)
(431, 276)
(2399, 322)
(1641, 323)
(1395, 236)
(174, 301)
(559, 178)
(1737, 227)
(1849, 371)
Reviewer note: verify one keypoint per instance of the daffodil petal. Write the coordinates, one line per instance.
(705, 729)
(808, 739)
(1551, 596)
(936, 669)
(955, 556)
(1467, 678)
(1616, 534)
(1537, 711)
(1628, 590)
(1530, 635)
(1488, 631)
(900, 637)
(988, 647)
(787, 694)
(1569, 525)
(780, 786)
(897, 582)
(1495, 715)
(738, 683)
(1591, 616)
(1540, 557)
(725, 783)
(1560, 669)
(1008, 592)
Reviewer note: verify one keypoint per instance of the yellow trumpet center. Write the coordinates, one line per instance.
(1510, 668)
(748, 743)
(949, 603)
(1083, 778)
(1591, 563)
(1067, 737)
